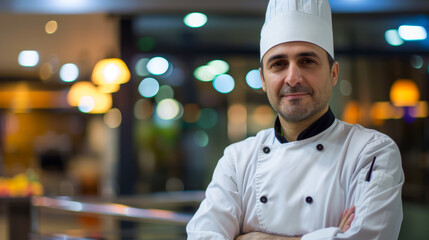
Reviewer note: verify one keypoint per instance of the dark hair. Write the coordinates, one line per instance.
(331, 60)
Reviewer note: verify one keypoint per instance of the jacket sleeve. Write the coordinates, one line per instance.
(378, 201)
(219, 213)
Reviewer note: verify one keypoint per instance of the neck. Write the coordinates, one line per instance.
(291, 130)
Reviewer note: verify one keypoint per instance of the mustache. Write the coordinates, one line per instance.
(297, 89)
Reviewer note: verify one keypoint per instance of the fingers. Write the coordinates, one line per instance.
(349, 222)
(347, 219)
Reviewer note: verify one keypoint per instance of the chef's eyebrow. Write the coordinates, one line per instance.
(285, 56)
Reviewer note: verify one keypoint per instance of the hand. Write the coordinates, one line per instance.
(265, 236)
(347, 219)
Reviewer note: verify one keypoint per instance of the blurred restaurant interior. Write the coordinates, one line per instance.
(113, 114)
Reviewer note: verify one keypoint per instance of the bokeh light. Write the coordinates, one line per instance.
(168, 109)
(224, 83)
(195, 20)
(102, 102)
(51, 27)
(78, 90)
(351, 112)
(158, 65)
(392, 37)
(412, 33)
(263, 115)
(208, 118)
(164, 92)
(108, 88)
(86, 104)
(148, 87)
(237, 122)
(346, 88)
(191, 113)
(237, 114)
(143, 109)
(404, 93)
(219, 66)
(110, 71)
(28, 58)
(46, 71)
(113, 118)
(141, 68)
(69, 72)
(201, 138)
(253, 79)
(416, 61)
(205, 73)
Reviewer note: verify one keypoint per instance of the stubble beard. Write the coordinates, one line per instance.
(295, 110)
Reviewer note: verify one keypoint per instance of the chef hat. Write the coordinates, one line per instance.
(297, 20)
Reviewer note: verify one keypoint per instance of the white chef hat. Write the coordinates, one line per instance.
(297, 20)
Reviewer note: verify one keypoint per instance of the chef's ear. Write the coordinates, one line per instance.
(261, 73)
(334, 73)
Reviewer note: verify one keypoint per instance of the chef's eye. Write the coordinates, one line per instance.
(307, 61)
(278, 64)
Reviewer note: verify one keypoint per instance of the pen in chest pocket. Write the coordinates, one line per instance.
(368, 175)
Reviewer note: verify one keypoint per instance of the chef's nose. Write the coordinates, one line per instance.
(293, 76)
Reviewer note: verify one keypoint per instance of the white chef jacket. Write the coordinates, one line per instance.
(302, 188)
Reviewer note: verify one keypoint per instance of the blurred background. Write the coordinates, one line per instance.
(109, 108)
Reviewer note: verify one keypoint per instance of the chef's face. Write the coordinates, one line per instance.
(298, 80)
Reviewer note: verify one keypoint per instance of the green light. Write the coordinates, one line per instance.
(220, 66)
(205, 73)
(164, 92)
(201, 138)
(208, 118)
(146, 44)
(141, 68)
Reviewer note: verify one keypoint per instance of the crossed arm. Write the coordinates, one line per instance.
(345, 223)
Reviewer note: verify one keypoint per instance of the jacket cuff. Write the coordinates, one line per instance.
(322, 234)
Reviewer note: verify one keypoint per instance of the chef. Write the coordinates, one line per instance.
(311, 173)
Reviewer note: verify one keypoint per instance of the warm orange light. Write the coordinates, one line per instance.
(404, 92)
(263, 115)
(351, 112)
(108, 88)
(78, 90)
(385, 110)
(102, 103)
(110, 71)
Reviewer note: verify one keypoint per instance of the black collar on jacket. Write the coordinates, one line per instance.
(315, 128)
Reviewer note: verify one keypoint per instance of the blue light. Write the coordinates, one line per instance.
(148, 87)
(253, 79)
(69, 72)
(392, 37)
(28, 58)
(224, 83)
(412, 33)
